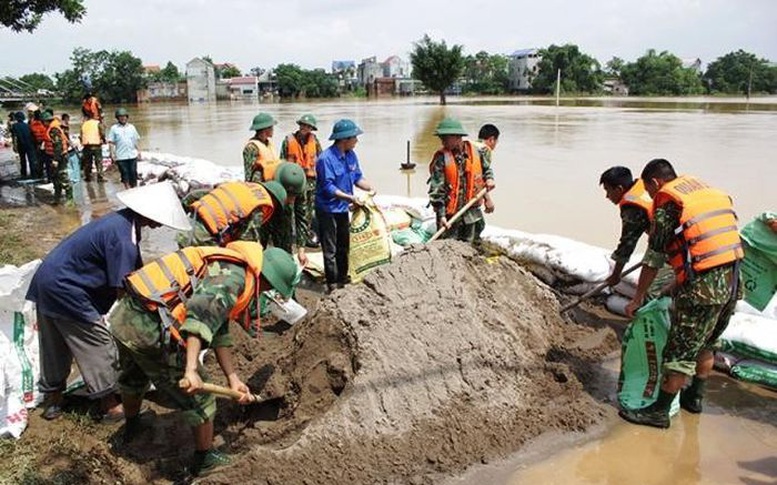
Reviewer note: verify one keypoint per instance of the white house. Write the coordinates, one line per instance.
(522, 68)
(200, 80)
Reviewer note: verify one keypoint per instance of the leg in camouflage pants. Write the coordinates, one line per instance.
(92, 155)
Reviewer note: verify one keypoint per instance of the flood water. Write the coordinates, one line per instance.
(548, 160)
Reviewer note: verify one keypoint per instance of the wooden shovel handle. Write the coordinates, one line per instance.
(218, 390)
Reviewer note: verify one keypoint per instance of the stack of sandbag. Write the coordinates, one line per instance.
(19, 358)
(749, 343)
(185, 173)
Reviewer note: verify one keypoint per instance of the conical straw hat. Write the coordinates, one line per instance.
(157, 202)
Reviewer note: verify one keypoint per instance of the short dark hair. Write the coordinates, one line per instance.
(658, 168)
(65, 116)
(487, 131)
(615, 176)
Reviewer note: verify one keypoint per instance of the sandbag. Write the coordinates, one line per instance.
(750, 336)
(74, 166)
(643, 345)
(370, 241)
(759, 268)
(756, 372)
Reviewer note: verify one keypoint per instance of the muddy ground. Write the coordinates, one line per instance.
(445, 358)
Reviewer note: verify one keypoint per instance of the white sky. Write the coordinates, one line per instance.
(312, 33)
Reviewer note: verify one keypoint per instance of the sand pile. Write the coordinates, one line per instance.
(440, 360)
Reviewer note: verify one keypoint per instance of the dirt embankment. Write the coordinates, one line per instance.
(440, 360)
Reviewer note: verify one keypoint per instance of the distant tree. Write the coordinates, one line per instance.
(257, 71)
(293, 81)
(229, 71)
(169, 73)
(26, 15)
(114, 76)
(661, 74)
(435, 65)
(580, 73)
(38, 81)
(485, 73)
(613, 67)
(741, 72)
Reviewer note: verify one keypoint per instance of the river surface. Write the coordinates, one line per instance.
(548, 160)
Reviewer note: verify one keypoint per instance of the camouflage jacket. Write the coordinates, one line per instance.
(56, 141)
(438, 187)
(634, 222)
(284, 155)
(250, 154)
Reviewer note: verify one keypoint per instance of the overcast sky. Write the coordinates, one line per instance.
(312, 33)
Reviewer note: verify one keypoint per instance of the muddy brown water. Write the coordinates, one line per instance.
(547, 166)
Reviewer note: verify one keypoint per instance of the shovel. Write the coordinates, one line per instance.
(596, 290)
(460, 213)
(225, 391)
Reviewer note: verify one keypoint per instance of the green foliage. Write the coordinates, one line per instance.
(26, 15)
(293, 82)
(660, 74)
(115, 76)
(168, 74)
(580, 73)
(229, 71)
(38, 81)
(614, 67)
(435, 65)
(741, 72)
(486, 74)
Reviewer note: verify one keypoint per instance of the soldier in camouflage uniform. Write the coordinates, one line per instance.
(57, 147)
(703, 304)
(145, 356)
(471, 223)
(284, 230)
(259, 149)
(247, 229)
(303, 148)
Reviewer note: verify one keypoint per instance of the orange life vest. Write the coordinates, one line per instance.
(638, 196)
(229, 204)
(267, 161)
(304, 156)
(91, 107)
(39, 131)
(707, 236)
(473, 170)
(164, 285)
(48, 144)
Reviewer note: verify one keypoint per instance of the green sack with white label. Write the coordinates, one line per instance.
(642, 348)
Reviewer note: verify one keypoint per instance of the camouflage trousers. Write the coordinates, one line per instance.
(61, 179)
(696, 327)
(467, 232)
(279, 230)
(303, 212)
(143, 359)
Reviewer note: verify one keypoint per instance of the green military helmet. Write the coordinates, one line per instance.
(121, 112)
(450, 126)
(277, 192)
(345, 128)
(46, 116)
(291, 176)
(280, 270)
(308, 119)
(262, 121)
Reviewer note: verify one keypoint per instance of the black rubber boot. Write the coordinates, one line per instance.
(656, 415)
(692, 396)
(206, 461)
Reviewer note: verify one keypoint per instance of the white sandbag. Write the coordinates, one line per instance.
(751, 336)
(14, 281)
(417, 207)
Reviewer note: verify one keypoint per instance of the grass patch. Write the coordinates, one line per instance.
(14, 249)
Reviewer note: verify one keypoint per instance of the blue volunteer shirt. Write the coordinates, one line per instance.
(335, 170)
(79, 278)
(125, 138)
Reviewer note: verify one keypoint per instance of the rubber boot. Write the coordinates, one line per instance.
(206, 461)
(691, 397)
(656, 415)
